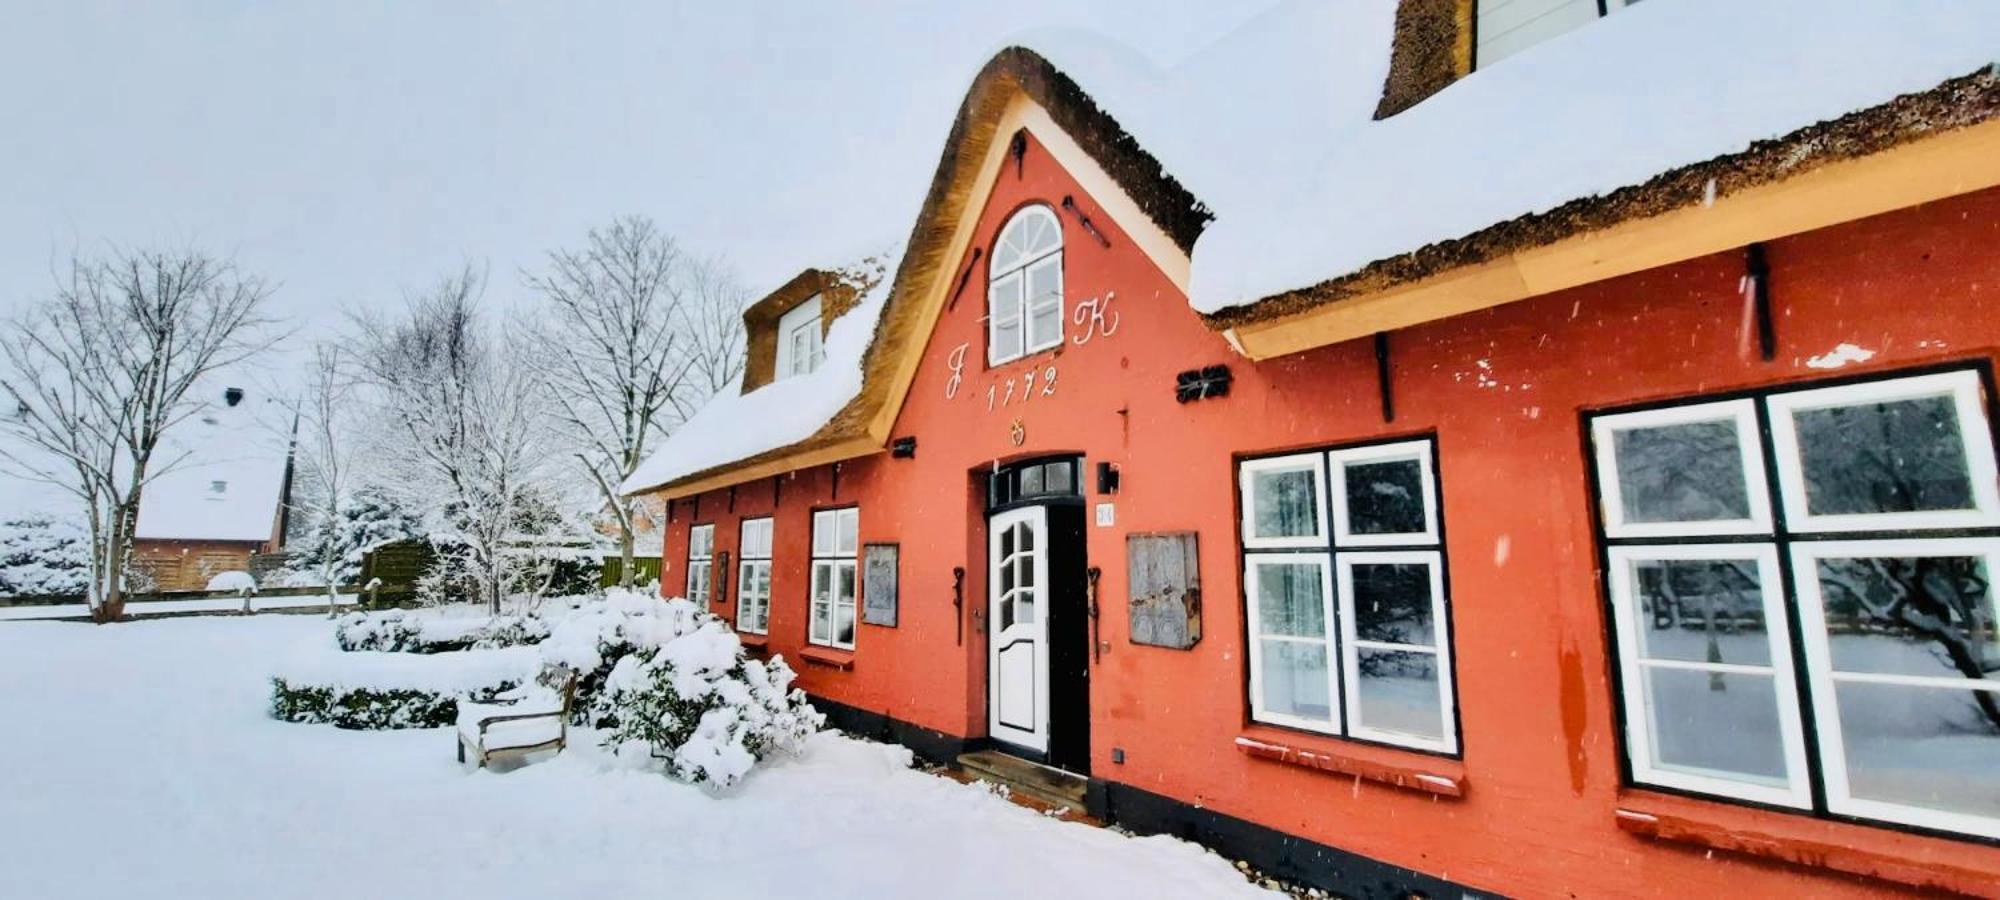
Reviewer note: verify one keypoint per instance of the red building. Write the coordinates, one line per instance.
(1638, 542)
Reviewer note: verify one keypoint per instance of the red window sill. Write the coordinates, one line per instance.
(754, 641)
(1764, 835)
(829, 657)
(1436, 777)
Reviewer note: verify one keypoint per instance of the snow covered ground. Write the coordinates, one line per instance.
(139, 760)
(144, 608)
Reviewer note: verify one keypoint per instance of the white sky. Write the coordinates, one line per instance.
(352, 150)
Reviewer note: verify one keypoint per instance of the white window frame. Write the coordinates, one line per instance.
(748, 562)
(1579, 12)
(1351, 645)
(1245, 485)
(1252, 581)
(1804, 542)
(1975, 434)
(1743, 413)
(701, 559)
(1621, 561)
(839, 552)
(1336, 553)
(1819, 667)
(1339, 460)
(803, 319)
(1015, 277)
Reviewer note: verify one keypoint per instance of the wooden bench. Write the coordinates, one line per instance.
(536, 722)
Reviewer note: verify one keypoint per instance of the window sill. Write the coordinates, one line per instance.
(1772, 836)
(828, 656)
(753, 641)
(1436, 777)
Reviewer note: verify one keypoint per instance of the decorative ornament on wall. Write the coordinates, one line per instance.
(956, 362)
(1096, 318)
(1017, 432)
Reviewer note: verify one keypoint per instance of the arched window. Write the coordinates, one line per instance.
(1024, 293)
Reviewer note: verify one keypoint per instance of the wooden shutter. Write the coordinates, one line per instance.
(1164, 583)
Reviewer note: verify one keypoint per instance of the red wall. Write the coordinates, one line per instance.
(1502, 390)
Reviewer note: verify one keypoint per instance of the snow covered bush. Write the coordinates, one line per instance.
(670, 680)
(371, 691)
(41, 556)
(404, 631)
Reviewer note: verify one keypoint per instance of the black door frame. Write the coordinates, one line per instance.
(1068, 614)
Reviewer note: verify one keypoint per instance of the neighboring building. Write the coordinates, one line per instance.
(223, 497)
(1575, 477)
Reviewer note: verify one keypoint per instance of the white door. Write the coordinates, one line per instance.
(1017, 674)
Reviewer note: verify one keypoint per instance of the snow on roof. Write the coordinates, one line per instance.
(1272, 127)
(736, 426)
(229, 478)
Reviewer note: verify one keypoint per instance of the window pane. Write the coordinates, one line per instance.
(843, 624)
(1031, 480)
(1024, 607)
(1398, 691)
(1392, 603)
(1717, 724)
(1893, 456)
(1293, 679)
(1285, 503)
(850, 528)
(1921, 615)
(844, 584)
(1931, 747)
(1688, 472)
(1702, 610)
(823, 534)
(1003, 308)
(1291, 599)
(1385, 497)
(1045, 305)
(1058, 479)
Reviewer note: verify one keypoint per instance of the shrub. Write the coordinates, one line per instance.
(371, 709)
(398, 631)
(43, 557)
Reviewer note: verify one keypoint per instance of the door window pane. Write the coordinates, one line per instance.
(1397, 690)
(1892, 456)
(1686, 472)
(1293, 679)
(1385, 497)
(1716, 724)
(1392, 602)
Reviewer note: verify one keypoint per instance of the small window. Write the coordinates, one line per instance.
(801, 339)
(1506, 27)
(1024, 294)
(753, 577)
(701, 563)
(218, 487)
(836, 542)
(1897, 716)
(1349, 632)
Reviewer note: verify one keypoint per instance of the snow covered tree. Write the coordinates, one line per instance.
(635, 336)
(42, 556)
(456, 430)
(98, 375)
(324, 474)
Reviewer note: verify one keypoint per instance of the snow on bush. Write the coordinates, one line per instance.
(680, 689)
(233, 582)
(43, 557)
(393, 690)
(402, 631)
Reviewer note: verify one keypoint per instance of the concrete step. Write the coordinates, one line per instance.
(1045, 783)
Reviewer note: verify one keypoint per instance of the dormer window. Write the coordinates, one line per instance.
(1024, 294)
(801, 340)
(1506, 27)
(218, 488)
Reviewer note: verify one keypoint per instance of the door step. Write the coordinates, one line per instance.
(1045, 783)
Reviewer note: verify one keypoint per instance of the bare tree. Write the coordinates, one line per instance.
(99, 374)
(636, 336)
(321, 451)
(455, 430)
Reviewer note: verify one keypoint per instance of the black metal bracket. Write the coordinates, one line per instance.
(1096, 639)
(1069, 206)
(1382, 376)
(1201, 384)
(1757, 275)
(1018, 149)
(732, 498)
(964, 278)
(836, 481)
(904, 447)
(958, 603)
(1107, 478)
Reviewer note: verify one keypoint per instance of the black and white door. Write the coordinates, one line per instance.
(1018, 649)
